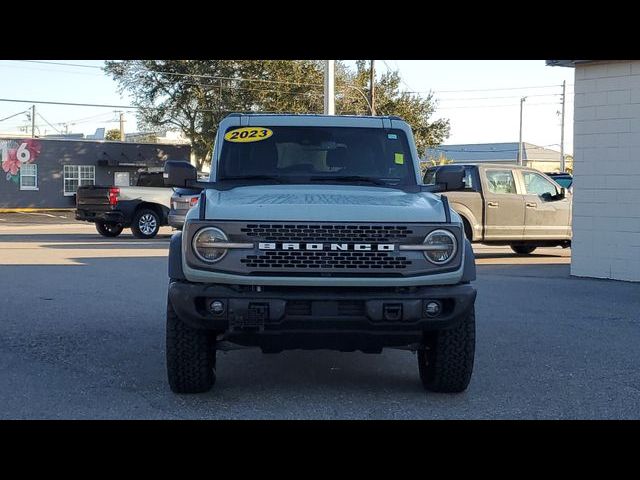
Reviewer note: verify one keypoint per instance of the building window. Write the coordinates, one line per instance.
(29, 176)
(78, 175)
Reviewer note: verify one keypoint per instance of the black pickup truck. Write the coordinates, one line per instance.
(144, 207)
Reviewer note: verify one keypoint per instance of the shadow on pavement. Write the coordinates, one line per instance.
(75, 237)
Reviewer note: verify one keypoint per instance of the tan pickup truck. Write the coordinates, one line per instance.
(510, 205)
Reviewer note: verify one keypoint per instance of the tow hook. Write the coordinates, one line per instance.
(392, 312)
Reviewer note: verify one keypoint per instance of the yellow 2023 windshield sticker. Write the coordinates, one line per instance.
(247, 134)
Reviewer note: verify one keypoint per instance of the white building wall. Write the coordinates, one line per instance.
(606, 202)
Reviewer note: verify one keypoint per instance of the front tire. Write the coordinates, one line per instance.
(446, 361)
(523, 249)
(145, 223)
(190, 354)
(109, 229)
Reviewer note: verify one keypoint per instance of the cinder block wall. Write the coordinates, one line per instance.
(606, 203)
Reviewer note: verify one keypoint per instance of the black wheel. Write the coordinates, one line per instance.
(109, 229)
(145, 223)
(522, 249)
(191, 356)
(446, 362)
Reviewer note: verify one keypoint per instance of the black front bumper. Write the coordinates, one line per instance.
(347, 319)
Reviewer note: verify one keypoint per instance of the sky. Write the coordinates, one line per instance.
(481, 98)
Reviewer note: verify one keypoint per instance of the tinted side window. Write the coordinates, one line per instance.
(501, 181)
(431, 175)
(564, 181)
(535, 184)
(150, 180)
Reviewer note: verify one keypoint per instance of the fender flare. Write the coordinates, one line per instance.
(175, 257)
(469, 272)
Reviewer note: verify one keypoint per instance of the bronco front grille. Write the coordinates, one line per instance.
(300, 259)
(326, 232)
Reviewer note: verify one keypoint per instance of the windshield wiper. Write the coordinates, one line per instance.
(384, 182)
(254, 177)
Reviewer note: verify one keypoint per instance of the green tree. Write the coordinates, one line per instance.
(433, 160)
(195, 95)
(112, 134)
(390, 100)
(568, 162)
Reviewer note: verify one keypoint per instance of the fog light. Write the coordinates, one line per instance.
(433, 308)
(217, 307)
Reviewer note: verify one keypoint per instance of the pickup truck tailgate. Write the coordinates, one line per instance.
(90, 196)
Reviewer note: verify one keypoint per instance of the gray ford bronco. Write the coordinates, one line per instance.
(315, 232)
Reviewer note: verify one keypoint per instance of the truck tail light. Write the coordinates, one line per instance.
(193, 201)
(113, 196)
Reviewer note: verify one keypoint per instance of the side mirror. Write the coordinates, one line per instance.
(451, 178)
(179, 174)
(563, 193)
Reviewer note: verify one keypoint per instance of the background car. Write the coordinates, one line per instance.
(181, 201)
(563, 179)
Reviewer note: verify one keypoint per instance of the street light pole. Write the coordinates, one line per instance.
(122, 137)
(520, 158)
(562, 166)
(33, 121)
(329, 87)
(372, 89)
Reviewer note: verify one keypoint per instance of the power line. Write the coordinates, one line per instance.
(496, 98)
(282, 82)
(489, 89)
(537, 147)
(47, 122)
(58, 63)
(14, 115)
(46, 102)
(496, 106)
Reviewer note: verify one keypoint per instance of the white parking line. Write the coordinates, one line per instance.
(35, 213)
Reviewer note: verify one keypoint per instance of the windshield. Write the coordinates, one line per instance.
(317, 154)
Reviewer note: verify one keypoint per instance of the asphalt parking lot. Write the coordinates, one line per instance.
(82, 336)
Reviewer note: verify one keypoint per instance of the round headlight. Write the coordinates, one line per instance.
(204, 244)
(442, 246)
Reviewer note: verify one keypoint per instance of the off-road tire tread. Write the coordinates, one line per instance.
(191, 356)
(446, 366)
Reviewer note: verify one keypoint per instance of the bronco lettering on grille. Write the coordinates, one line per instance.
(358, 247)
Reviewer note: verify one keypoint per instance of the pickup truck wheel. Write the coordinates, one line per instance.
(145, 223)
(446, 362)
(109, 229)
(522, 249)
(191, 356)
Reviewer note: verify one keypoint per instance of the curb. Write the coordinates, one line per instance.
(35, 210)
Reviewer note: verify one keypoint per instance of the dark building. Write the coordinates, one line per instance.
(45, 173)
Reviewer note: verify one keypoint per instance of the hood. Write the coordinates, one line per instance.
(323, 203)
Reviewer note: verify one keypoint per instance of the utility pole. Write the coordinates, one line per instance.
(122, 126)
(329, 87)
(564, 88)
(33, 121)
(520, 158)
(372, 88)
